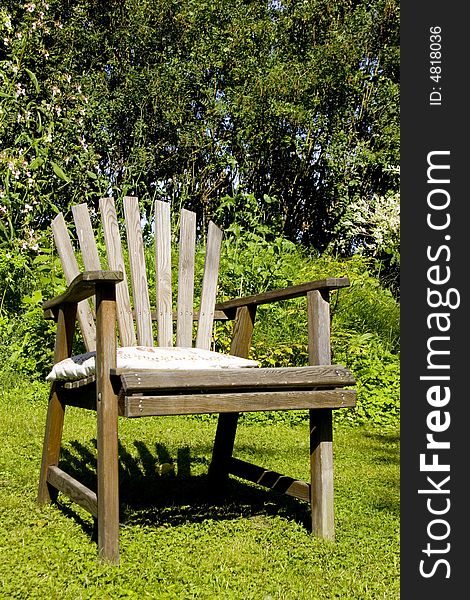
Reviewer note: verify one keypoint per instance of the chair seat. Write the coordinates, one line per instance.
(161, 392)
(145, 358)
(233, 390)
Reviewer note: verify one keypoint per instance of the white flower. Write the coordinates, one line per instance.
(20, 90)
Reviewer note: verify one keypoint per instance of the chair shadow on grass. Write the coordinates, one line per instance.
(150, 497)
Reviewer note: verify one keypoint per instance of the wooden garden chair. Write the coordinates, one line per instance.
(112, 392)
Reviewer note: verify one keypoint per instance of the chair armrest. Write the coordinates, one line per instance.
(83, 286)
(229, 307)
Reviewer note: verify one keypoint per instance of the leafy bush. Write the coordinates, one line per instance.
(15, 277)
(26, 343)
(365, 321)
(377, 373)
(365, 316)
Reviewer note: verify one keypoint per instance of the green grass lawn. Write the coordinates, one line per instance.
(178, 541)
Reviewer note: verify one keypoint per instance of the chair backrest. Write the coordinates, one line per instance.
(139, 309)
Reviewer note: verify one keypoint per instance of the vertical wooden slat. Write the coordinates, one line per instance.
(321, 427)
(163, 273)
(227, 423)
(209, 287)
(71, 270)
(138, 273)
(86, 239)
(107, 425)
(56, 409)
(116, 263)
(187, 252)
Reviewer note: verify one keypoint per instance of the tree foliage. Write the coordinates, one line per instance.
(292, 101)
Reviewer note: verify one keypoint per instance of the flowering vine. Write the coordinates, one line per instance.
(45, 156)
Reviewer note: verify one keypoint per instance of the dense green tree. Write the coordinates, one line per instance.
(293, 101)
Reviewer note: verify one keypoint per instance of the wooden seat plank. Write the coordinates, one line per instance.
(235, 378)
(186, 404)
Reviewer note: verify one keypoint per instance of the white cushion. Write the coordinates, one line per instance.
(139, 358)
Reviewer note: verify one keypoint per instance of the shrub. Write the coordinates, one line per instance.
(365, 317)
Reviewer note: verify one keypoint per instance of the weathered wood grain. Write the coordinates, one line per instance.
(186, 404)
(293, 291)
(107, 425)
(116, 262)
(72, 488)
(186, 260)
(86, 238)
(163, 273)
(227, 422)
(56, 407)
(71, 270)
(321, 421)
(271, 479)
(209, 287)
(83, 286)
(236, 378)
(139, 281)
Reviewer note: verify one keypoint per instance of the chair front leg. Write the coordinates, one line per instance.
(107, 425)
(321, 422)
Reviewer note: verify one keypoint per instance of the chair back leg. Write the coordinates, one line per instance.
(56, 409)
(227, 423)
(321, 421)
